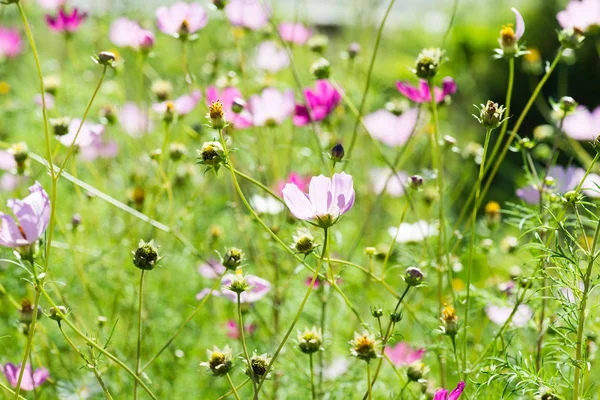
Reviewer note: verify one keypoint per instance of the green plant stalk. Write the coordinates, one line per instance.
(233, 389)
(243, 341)
(241, 385)
(389, 252)
(9, 390)
(139, 333)
(312, 377)
(456, 358)
(369, 387)
(472, 248)
(369, 74)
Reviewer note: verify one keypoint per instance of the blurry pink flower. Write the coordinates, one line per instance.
(247, 13)
(134, 120)
(258, 289)
(413, 233)
(64, 22)
(227, 96)
(442, 394)
(9, 181)
(87, 135)
(182, 105)
(271, 57)
(266, 205)
(402, 354)
(582, 15)
(30, 380)
(181, 19)
(51, 5)
(99, 148)
(127, 33)
(211, 269)
(37, 99)
(591, 185)
(336, 369)
(204, 292)
(499, 315)
(395, 183)
(233, 331)
(566, 178)
(391, 129)
(322, 101)
(421, 94)
(318, 282)
(295, 178)
(10, 43)
(33, 215)
(583, 124)
(294, 32)
(327, 199)
(7, 161)
(271, 107)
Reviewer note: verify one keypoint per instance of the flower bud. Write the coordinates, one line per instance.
(145, 257)
(184, 30)
(238, 105)
(508, 40)
(177, 151)
(490, 115)
(318, 43)
(567, 104)
(60, 126)
(571, 38)
(20, 152)
(259, 367)
(304, 243)
(310, 340)
(101, 321)
(239, 283)
(220, 362)
(532, 62)
(51, 84)
(106, 58)
(337, 152)
(415, 181)
(216, 115)
(364, 346)
(162, 89)
(233, 258)
(416, 371)
(413, 276)
(353, 50)
(377, 312)
(219, 4)
(450, 321)
(321, 69)
(371, 251)
(57, 313)
(492, 213)
(396, 317)
(572, 196)
(428, 62)
(75, 221)
(211, 153)
(26, 312)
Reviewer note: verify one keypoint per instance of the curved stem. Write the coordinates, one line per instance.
(139, 337)
(233, 389)
(389, 252)
(243, 340)
(241, 385)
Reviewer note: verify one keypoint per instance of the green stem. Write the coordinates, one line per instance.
(241, 385)
(472, 246)
(9, 390)
(312, 377)
(243, 340)
(139, 336)
(456, 357)
(389, 252)
(369, 387)
(233, 390)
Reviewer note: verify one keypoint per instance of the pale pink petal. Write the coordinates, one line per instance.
(299, 205)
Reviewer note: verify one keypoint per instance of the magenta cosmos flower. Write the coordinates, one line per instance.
(227, 96)
(135, 120)
(259, 288)
(327, 199)
(294, 32)
(297, 179)
(127, 33)
(233, 330)
(247, 13)
(385, 179)
(181, 19)
(582, 15)
(32, 216)
(64, 22)
(322, 101)
(30, 380)
(565, 179)
(271, 107)
(402, 354)
(583, 124)
(392, 129)
(421, 93)
(181, 106)
(87, 134)
(10, 43)
(211, 269)
(271, 57)
(442, 394)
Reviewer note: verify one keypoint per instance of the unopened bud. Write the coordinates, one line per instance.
(321, 69)
(428, 63)
(571, 38)
(238, 105)
(337, 152)
(145, 257)
(57, 313)
(233, 258)
(413, 276)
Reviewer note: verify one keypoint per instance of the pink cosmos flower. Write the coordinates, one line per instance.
(134, 120)
(182, 105)
(395, 182)
(294, 32)
(322, 101)
(9, 181)
(51, 5)
(204, 292)
(37, 99)
(259, 288)
(11, 44)
(233, 331)
(227, 96)
(421, 94)
(99, 148)
(247, 13)
(181, 19)
(402, 354)
(211, 269)
(327, 199)
(391, 129)
(127, 33)
(271, 107)
(295, 178)
(442, 394)
(590, 185)
(271, 57)
(583, 124)
(582, 15)
(29, 381)
(499, 315)
(87, 135)
(566, 178)
(33, 215)
(64, 22)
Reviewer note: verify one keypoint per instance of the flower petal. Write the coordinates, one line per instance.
(299, 205)
(520, 26)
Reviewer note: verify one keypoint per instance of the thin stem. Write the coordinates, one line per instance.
(241, 385)
(312, 377)
(368, 82)
(472, 246)
(233, 389)
(243, 340)
(456, 357)
(369, 387)
(9, 390)
(139, 336)
(389, 252)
